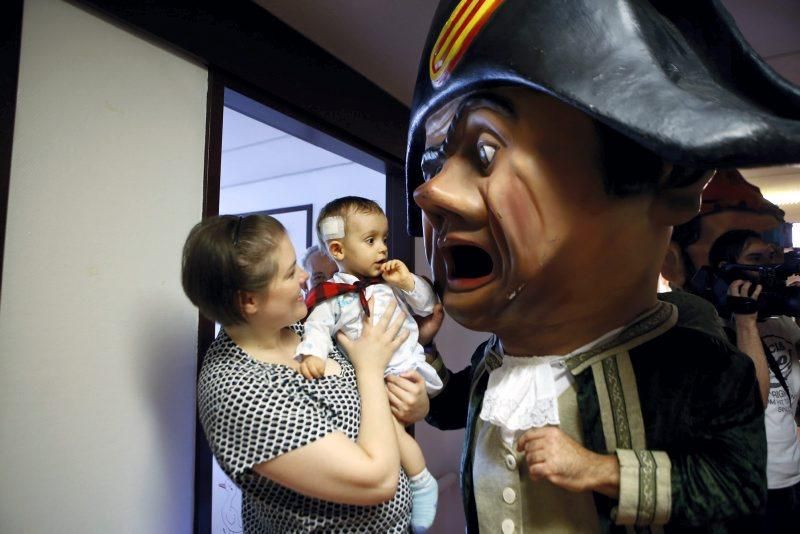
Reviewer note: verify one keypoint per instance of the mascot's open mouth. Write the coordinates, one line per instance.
(466, 261)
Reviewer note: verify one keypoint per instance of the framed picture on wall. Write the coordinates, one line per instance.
(298, 221)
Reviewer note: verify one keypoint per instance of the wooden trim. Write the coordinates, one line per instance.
(401, 248)
(205, 329)
(10, 43)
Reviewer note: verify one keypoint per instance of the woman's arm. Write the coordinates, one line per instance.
(335, 468)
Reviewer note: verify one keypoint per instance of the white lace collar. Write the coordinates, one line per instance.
(523, 392)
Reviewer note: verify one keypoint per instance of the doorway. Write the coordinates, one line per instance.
(272, 163)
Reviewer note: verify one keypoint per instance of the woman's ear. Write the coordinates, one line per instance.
(675, 205)
(247, 302)
(672, 267)
(336, 250)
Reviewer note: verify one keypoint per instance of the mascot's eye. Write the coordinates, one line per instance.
(486, 155)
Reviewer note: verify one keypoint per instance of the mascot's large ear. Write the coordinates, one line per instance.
(672, 269)
(677, 203)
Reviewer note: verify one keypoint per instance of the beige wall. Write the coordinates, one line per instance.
(97, 341)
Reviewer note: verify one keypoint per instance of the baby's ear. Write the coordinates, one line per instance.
(336, 250)
(673, 205)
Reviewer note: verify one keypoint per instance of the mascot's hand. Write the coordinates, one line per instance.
(429, 325)
(552, 455)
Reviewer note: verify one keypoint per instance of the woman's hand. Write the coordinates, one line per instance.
(377, 342)
(408, 397)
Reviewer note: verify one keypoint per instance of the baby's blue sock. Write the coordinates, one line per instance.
(424, 494)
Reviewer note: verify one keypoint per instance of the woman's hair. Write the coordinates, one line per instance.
(728, 247)
(227, 254)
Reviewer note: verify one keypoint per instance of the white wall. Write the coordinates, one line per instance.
(97, 341)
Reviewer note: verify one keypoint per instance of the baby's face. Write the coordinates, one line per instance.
(365, 245)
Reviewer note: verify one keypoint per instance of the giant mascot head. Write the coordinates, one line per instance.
(554, 143)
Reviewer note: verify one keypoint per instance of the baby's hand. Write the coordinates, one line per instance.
(312, 367)
(397, 274)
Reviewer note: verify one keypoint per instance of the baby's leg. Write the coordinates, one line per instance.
(424, 489)
(411, 457)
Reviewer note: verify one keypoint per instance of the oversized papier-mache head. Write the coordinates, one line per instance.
(676, 76)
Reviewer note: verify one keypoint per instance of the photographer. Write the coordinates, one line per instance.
(771, 343)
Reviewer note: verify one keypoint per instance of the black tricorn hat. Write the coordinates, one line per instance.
(676, 76)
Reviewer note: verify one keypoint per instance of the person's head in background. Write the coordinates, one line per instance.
(356, 235)
(729, 202)
(744, 247)
(243, 271)
(318, 265)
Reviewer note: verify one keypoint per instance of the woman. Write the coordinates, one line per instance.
(308, 455)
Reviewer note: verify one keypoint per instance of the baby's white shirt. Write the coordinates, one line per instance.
(344, 313)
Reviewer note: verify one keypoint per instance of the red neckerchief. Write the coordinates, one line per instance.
(328, 290)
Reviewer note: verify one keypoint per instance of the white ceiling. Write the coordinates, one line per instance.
(383, 40)
(253, 152)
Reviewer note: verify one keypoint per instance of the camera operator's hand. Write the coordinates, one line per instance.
(743, 303)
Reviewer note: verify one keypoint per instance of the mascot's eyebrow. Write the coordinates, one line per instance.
(433, 157)
(491, 101)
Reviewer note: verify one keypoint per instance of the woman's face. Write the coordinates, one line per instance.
(281, 303)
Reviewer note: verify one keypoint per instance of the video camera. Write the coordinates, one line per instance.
(776, 297)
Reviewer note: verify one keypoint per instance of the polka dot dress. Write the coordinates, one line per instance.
(253, 411)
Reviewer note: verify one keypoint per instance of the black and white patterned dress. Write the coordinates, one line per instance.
(252, 411)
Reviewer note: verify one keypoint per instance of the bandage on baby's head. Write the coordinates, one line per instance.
(332, 227)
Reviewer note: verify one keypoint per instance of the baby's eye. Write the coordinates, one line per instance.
(486, 154)
(370, 240)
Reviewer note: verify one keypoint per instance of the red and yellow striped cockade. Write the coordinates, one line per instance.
(464, 23)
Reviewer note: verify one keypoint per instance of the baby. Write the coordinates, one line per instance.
(354, 232)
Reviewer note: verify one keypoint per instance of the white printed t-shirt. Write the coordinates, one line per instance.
(780, 335)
